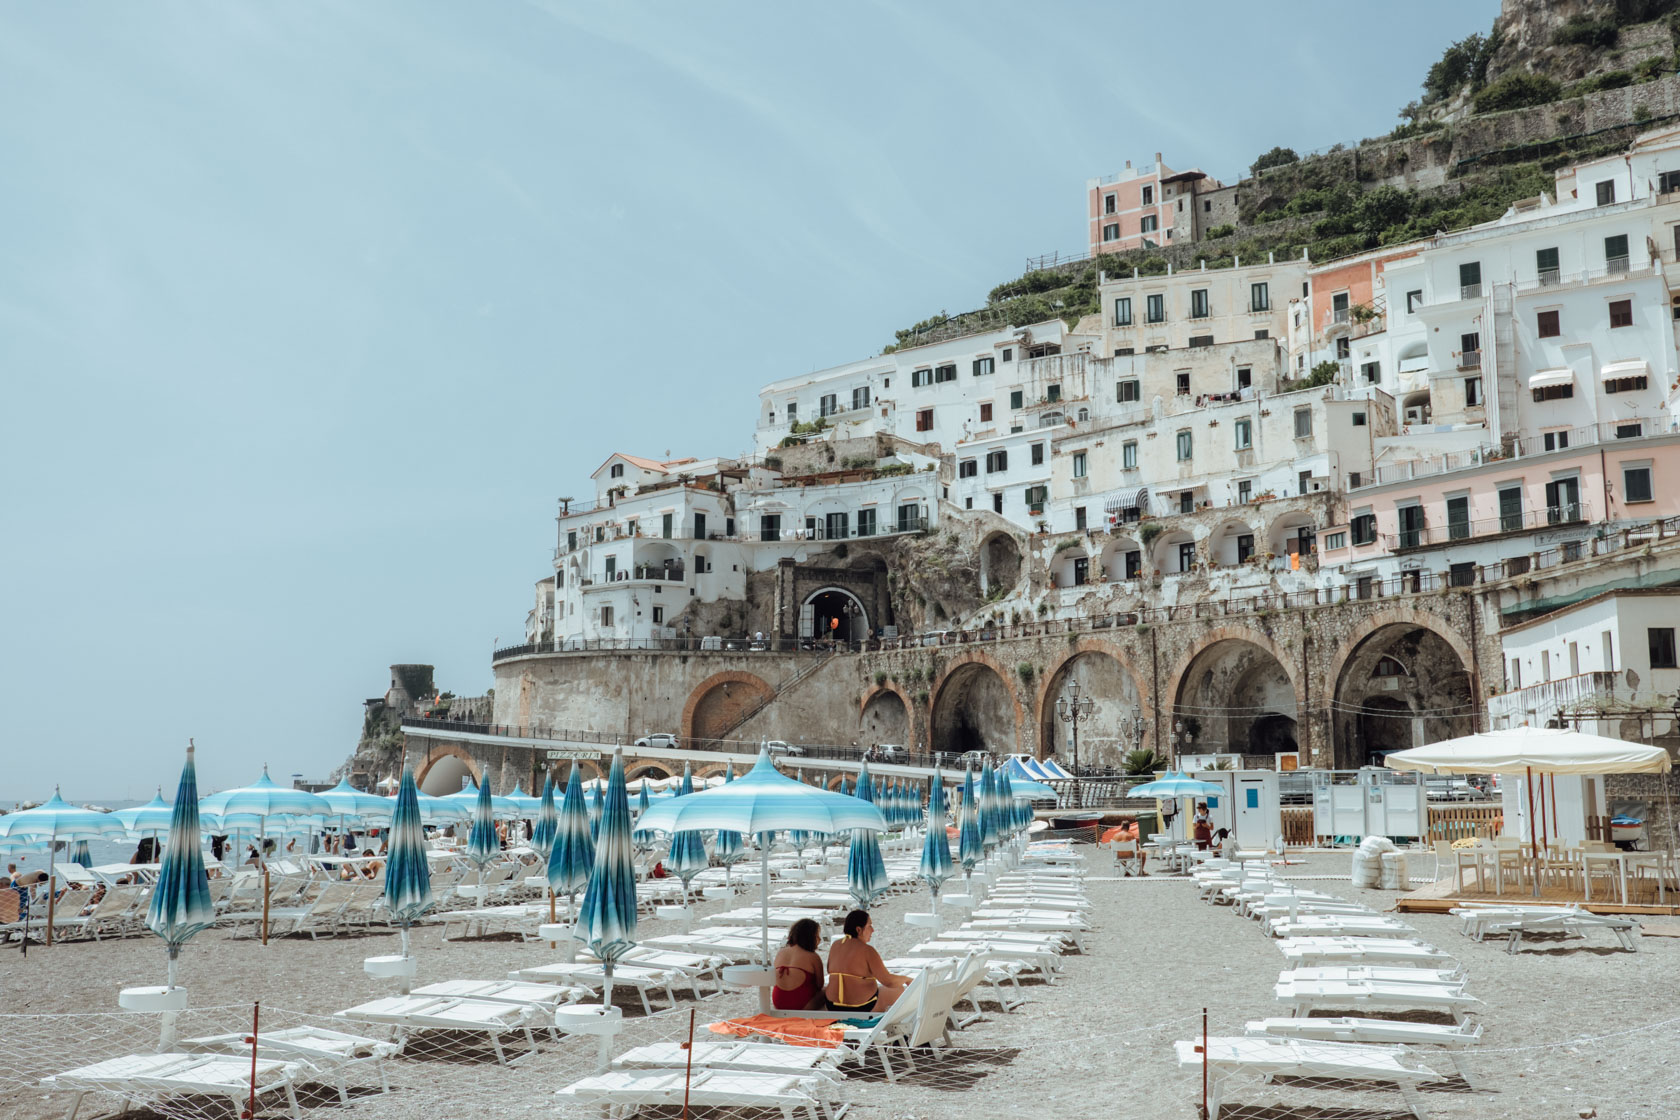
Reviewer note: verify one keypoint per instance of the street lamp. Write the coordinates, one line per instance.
(1070, 709)
(1188, 738)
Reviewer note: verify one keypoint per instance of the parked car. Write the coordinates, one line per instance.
(776, 746)
(975, 758)
(1449, 789)
(659, 739)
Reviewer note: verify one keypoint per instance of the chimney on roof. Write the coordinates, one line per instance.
(1157, 158)
(1128, 165)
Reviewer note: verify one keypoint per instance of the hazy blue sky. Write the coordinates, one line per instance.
(308, 312)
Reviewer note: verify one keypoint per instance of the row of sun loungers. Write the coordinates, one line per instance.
(1342, 956)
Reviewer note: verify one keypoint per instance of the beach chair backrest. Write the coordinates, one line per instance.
(895, 1021)
(939, 999)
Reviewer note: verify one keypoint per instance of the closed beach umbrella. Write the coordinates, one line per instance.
(687, 857)
(80, 855)
(572, 855)
(548, 820)
(866, 871)
(936, 866)
(408, 877)
(596, 808)
(763, 802)
(180, 904)
(970, 849)
(987, 805)
(483, 846)
(643, 800)
(728, 849)
(607, 919)
(845, 790)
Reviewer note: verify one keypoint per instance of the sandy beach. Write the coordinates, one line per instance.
(1098, 1042)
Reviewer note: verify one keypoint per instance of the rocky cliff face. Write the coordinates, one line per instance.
(1527, 33)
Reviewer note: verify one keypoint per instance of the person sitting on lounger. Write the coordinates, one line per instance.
(858, 979)
(799, 970)
(372, 870)
(1126, 832)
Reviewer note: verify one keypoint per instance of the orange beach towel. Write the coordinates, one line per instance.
(798, 1032)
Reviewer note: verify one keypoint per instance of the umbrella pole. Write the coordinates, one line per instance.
(764, 899)
(52, 898)
(1533, 832)
(173, 950)
(265, 904)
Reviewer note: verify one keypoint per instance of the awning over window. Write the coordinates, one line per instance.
(1638, 367)
(1548, 377)
(1127, 499)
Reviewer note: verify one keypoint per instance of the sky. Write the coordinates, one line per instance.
(309, 312)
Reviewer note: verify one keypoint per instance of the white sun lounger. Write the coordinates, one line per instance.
(815, 899)
(331, 1053)
(1356, 925)
(1453, 1040)
(524, 994)
(1390, 974)
(1044, 961)
(1287, 1057)
(1513, 922)
(594, 977)
(1361, 950)
(632, 1090)
(1036, 901)
(741, 1057)
(153, 1076)
(408, 1014)
(734, 948)
(1040, 919)
(1308, 996)
(779, 915)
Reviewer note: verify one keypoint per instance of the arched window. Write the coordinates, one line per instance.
(1389, 667)
(1084, 414)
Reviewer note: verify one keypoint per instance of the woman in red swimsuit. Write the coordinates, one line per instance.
(799, 971)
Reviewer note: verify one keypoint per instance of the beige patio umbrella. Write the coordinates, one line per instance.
(1530, 751)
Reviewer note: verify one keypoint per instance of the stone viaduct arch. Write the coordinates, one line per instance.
(1401, 678)
(887, 714)
(446, 764)
(1107, 676)
(1236, 691)
(973, 706)
(719, 701)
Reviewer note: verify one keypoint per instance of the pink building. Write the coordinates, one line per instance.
(1465, 517)
(1147, 205)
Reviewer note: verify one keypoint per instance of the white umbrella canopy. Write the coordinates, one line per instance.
(1544, 750)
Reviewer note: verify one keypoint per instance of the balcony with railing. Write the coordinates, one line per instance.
(1609, 431)
(1458, 531)
(1614, 268)
(1537, 703)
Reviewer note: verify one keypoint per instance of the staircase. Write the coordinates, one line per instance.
(817, 662)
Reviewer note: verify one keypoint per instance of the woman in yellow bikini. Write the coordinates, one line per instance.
(858, 979)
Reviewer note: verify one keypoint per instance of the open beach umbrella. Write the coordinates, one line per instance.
(501, 808)
(1173, 786)
(572, 855)
(970, 849)
(936, 864)
(866, 871)
(54, 821)
(607, 920)
(441, 810)
(355, 808)
(687, 857)
(150, 819)
(527, 805)
(408, 878)
(548, 819)
(180, 905)
(252, 807)
(763, 801)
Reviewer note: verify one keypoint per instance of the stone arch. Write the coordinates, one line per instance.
(650, 770)
(1440, 689)
(1225, 543)
(1000, 562)
(710, 770)
(716, 703)
(993, 722)
(833, 601)
(1107, 676)
(445, 765)
(1237, 691)
(886, 714)
(561, 771)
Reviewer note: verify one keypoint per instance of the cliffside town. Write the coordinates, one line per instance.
(1360, 483)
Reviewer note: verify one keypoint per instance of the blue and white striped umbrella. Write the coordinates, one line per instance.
(548, 820)
(80, 855)
(763, 802)
(408, 877)
(180, 904)
(643, 800)
(866, 871)
(970, 849)
(483, 846)
(572, 856)
(149, 819)
(988, 810)
(262, 799)
(353, 806)
(607, 920)
(936, 866)
(501, 808)
(57, 820)
(442, 810)
(596, 809)
(644, 841)
(687, 857)
(527, 805)
(845, 789)
(728, 848)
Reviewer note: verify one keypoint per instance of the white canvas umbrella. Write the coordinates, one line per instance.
(1529, 751)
